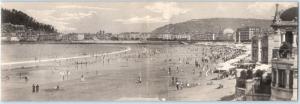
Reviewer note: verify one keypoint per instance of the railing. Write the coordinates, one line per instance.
(282, 53)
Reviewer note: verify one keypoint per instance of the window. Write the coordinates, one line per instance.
(289, 37)
(274, 76)
(275, 53)
(282, 78)
(264, 57)
(291, 79)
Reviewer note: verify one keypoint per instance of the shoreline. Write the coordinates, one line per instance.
(65, 58)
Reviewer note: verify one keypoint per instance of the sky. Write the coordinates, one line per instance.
(116, 17)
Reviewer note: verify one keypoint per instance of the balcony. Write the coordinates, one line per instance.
(284, 56)
(281, 93)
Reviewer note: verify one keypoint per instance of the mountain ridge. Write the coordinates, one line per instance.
(212, 25)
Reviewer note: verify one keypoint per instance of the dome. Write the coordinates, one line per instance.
(289, 14)
(228, 31)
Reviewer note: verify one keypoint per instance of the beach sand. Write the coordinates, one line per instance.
(115, 79)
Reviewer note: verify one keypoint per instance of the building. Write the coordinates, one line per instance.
(166, 36)
(245, 34)
(183, 36)
(49, 36)
(260, 48)
(203, 36)
(274, 54)
(28, 36)
(284, 46)
(129, 36)
(89, 36)
(101, 35)
(73, 37)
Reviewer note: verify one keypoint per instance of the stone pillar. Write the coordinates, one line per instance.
(273, 76)
(287, 85)
(277, 78)
(249, 89)
(259, 49)
(283, 38)
(295, 39)
(239, 37)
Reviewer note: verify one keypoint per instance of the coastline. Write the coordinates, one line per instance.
(65, 58)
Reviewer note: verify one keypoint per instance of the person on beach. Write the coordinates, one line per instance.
(37, 88)
(26, 79)
(20, 75)
(169, 72)
(200, 74)
(33, 88)
(181, 85)
(139, 80)
(173, 81)
(194, 71)
(178, 85)
(7, 77)
(57, 87)
(82, 78)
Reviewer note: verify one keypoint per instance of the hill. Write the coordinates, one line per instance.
(212, 25)
(16, 17)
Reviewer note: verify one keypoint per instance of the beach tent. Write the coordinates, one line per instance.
(263, 67)
(224, 67)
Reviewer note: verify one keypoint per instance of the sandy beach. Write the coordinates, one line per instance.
(114, 77)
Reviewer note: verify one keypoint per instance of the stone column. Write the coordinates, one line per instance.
(274, 76)
(277, 78)
(295, 39)
(239, 37)
(283, 38)
(287, 84)
(259, 49)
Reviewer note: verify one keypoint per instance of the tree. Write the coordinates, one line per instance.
(19, 18)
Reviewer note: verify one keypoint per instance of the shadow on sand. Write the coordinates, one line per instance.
(227, 98)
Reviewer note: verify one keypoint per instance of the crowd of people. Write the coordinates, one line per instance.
(192, 63)
(185, 64)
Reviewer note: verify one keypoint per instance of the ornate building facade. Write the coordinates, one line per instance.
(275, 52)
(283, 44)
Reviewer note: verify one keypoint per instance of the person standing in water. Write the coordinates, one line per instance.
(33, 88)
(82, 78)
(37, 88)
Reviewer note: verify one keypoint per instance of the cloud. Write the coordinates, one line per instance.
(83, 7)
(58, 18)
(145, 19)
(166, 9)
(261, 8)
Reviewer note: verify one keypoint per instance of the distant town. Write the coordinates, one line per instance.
(217, 60)
(19, 27)
(20, 33)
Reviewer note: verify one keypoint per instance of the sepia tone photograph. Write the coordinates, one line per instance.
(149, 51)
